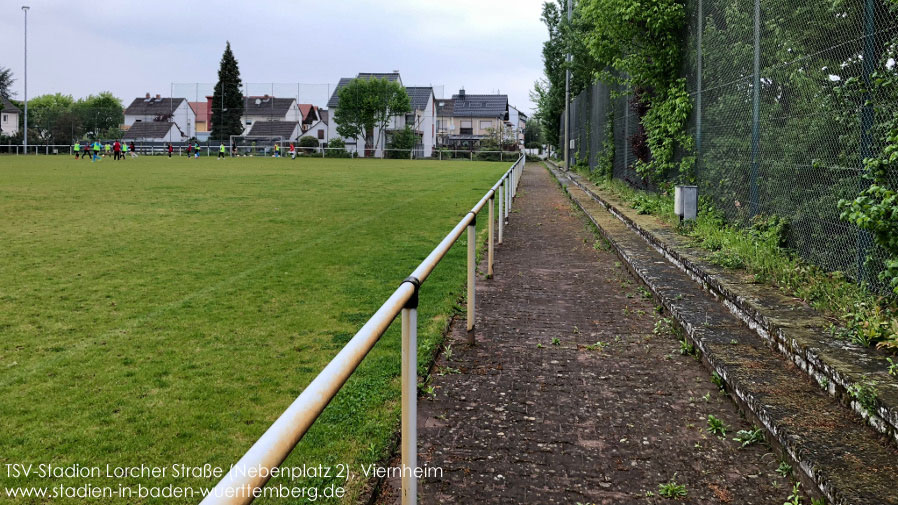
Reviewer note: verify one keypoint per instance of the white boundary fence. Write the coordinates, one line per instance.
(246, 478)
(265, 149)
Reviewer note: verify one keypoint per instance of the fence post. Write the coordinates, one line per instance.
(410, 395)
(756, 115)
(698, 82)
(501, 203)
(472, 278)
(489, 269)
(864, 240)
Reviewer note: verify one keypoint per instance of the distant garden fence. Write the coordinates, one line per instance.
(785, 111)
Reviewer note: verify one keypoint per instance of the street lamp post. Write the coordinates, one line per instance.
(25, 136)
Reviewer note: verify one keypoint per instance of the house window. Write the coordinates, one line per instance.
(5, 118)
(249, 123)
(486, 124)
(467, 128)
(320, 134)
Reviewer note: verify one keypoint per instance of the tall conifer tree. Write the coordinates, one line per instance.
(227, 100)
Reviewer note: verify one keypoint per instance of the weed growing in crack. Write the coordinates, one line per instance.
(707, 397)
(749, 437)
(598, 346)
(539, 345)
(716, 426)
(686, 348)
(865, 395)
(447, 352)
(671, 489)
(662, 326)
(556, 341)
(785, 469)
(795, 497)
(718, 381)
(823, 382)
(645, 293)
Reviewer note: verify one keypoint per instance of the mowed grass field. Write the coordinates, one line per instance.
(165, 311)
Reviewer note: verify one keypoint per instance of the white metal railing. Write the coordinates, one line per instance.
(246, 478)
(211, 149)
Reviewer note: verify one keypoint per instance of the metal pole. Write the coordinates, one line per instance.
(410, 401)
(698, 81)
(567, 99)
(25, 133)
(756, 115)
(864, 240)
(501, 210)
(472, 267)
(489, 270)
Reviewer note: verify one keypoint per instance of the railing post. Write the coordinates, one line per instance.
(501, 211)
(489, 269)
(507, 196)
(472, 278)
(410, 396)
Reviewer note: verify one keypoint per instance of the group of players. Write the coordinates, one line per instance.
(95, 150)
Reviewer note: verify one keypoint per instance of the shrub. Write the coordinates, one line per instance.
(308, 144)
(337, 149)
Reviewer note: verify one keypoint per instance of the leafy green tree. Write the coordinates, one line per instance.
(366, 107)
(402, 141)
(336, 148)
(6, 80)
(533, 133)
(227, 99)
(48, 114)
(99, 113)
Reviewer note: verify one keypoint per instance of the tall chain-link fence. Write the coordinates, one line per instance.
(786, 108)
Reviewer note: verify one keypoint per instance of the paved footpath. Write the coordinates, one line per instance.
(575, 392)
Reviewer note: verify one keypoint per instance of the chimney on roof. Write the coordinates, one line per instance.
(158, 96)
(461, 93)
(148, 94)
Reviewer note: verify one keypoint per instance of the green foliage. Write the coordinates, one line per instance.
(716, 426)
(6, 80)
(795, 497)
(403, 141)
(637, 43)
(605, 162)
(308, 143)
(227, 98)
(671, 489)
(749, 437)
(865, 395)
(785, 469)
(336, 149)
(367, 106)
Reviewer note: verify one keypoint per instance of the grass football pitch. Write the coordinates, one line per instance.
(161, 311)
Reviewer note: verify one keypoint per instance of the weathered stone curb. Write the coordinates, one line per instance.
(847, 461)
(798, 332)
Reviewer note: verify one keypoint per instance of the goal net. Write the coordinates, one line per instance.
(255, 145)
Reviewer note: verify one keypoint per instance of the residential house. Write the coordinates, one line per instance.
(154, 131)
(288, 130)
(421, 119)
(517, 120)
(318, 129)
(445, 121)
(9, 118)
(268, 108)
(477, 117)
(168, 110)
(202, 112)
(309, 114)
(377, 140)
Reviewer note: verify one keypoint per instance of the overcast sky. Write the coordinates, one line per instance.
(131, 47)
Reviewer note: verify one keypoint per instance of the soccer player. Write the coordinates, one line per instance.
(170, 149)
(96, 151)
(132, 150)
(292, 151)
(106, 149)
(124, 150)
(77, 149)
(221, 151)
(116, 150)
(196, 149)
(277, 150)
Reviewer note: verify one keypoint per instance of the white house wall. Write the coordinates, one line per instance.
(9, 123)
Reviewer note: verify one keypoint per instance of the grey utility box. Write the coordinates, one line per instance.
(686, 202)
